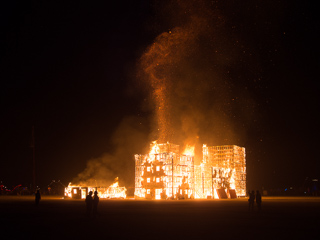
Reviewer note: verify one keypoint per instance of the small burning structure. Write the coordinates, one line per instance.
(164, 173)
(111, 192)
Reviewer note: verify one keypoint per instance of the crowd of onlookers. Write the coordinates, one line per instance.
(54, 188)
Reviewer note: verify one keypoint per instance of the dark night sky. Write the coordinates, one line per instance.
(70, 70)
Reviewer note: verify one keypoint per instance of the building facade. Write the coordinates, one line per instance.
(164, 173)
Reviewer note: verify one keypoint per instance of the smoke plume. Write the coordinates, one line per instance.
(129, 138)
(194, 98)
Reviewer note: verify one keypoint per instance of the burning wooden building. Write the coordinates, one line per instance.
(222, 172)
(111, 192)
(165, 173)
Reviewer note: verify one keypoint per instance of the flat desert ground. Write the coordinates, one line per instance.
(58, 218)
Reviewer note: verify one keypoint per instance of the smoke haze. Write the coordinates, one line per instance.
(194, 98)
(129, 138)
(193, 94)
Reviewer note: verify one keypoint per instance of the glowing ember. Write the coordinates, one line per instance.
(165, 172)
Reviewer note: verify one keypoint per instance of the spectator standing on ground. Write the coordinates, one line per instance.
(258, 200)
(95, 204)
(37, 197)
(251, 201)
(89, 204)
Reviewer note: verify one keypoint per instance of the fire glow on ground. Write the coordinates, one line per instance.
(280, 217)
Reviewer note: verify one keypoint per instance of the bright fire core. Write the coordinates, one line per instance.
(164, 173)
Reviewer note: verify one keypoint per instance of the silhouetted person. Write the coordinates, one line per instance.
(89, 204)
(95, 204)
(251, 200)
(258, 200)
(37, 197)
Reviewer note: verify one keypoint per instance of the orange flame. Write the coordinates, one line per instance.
(154, 148)
(189, 150)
